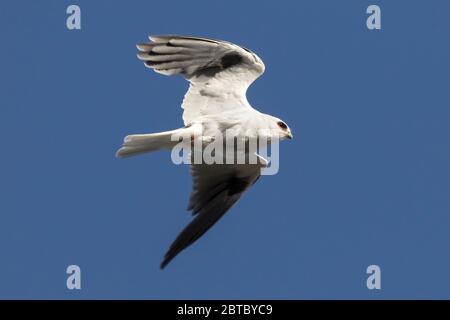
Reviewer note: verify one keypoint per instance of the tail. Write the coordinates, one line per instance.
(141, 143)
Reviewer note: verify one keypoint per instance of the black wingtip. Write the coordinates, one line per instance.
(165, 262)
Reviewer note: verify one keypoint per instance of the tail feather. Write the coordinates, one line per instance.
(141, 143)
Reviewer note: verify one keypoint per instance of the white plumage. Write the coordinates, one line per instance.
(219, 73)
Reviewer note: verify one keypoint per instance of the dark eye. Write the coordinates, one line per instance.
(282, 125)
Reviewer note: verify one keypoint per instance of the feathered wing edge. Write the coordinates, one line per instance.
(191, 56)
(216, 188)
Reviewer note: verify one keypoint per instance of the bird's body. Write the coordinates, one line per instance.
(215, 105)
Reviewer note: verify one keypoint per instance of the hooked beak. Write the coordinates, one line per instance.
(289, 135)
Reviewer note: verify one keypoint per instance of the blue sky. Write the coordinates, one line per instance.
(366, 179)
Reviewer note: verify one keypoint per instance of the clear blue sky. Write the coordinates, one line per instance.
(366, 179)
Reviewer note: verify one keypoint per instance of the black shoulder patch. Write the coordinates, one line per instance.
(227, 61)
(230, 60)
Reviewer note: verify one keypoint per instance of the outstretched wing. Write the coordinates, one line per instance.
(216, 188)
(219, 72)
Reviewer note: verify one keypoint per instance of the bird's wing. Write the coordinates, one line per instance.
(216, 188)
(219, 72)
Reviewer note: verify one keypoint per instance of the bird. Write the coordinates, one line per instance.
(219, 74)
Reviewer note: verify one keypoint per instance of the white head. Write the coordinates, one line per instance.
(279, 128)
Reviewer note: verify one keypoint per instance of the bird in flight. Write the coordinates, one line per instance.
(219, 74)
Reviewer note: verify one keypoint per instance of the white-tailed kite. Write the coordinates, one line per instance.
(219, 73)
